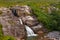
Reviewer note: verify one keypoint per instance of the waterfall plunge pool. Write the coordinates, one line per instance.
(30, 34)
(32, 38)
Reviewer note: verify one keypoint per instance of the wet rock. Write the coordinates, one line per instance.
(30, 21)
(54, 35)
(25, 13)
(37, 27)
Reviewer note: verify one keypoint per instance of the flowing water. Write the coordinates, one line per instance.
(29, 31)
(20, 21)
(30, 34)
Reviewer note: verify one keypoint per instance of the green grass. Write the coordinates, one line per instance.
(20, 2)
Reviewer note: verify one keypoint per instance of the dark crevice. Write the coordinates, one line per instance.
(14, 12)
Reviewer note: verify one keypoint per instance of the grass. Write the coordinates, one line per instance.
(20, 2)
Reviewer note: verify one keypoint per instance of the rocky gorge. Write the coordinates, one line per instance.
(12, 25)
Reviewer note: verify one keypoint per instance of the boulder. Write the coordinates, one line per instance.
(37, 27)
(21, 10)
(54, 35)
(30, 21)
(11, 24)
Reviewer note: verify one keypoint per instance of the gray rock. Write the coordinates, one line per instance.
(54, 34)
(37, 27)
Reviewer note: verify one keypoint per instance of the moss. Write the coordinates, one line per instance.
(8, 38)
(0, 12)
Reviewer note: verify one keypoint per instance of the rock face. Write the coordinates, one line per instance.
(11, 24)
(25, 13)
(30, 20)
(9, 18)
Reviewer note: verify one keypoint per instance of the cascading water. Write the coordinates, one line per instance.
(30, 31)
(20, 21)
(30, 34)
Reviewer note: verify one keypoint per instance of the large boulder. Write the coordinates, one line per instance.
(11, 24)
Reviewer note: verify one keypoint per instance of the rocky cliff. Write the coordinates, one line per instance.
(11, 24)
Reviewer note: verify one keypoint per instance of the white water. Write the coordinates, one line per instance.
(29, 30)
(21, 21)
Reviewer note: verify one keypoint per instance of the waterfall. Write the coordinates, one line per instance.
(20, 21)
(29, 30)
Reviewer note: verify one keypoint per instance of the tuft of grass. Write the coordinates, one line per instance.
(2, 37)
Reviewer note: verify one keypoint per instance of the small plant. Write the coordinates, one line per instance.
(8, 38)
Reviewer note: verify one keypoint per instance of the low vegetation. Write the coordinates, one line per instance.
(50, 20)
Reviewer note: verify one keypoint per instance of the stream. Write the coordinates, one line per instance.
(30, 33)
